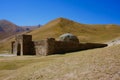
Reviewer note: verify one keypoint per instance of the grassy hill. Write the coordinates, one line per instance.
(85, 32)
(95, 64)
(59, 26)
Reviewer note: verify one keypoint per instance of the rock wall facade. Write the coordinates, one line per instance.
(59, 47)
(25, 46)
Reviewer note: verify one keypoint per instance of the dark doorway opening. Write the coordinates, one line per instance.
(18, 49)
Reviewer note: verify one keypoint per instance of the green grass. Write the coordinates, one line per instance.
(95, 64)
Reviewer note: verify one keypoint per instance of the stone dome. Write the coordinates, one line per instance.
(68, 38)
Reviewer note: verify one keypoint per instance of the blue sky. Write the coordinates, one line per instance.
(34, 12)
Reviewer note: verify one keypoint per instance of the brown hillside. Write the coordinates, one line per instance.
(85, 32)
(96, 64)
(8, 28)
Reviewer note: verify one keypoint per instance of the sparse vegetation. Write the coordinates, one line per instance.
(85, 33)
(95, 64)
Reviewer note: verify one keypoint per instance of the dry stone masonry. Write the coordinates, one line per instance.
(23, 45)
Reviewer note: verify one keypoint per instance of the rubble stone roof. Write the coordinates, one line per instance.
(68, 37)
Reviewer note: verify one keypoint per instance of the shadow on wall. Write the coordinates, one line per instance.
(61, 47)
(23, 45)
(84, 46)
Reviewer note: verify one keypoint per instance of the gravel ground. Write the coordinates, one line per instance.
(113, 42)
(5, 55)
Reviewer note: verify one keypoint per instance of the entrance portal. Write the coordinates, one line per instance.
(18, 49)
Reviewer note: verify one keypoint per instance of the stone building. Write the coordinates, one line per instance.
(23, 45)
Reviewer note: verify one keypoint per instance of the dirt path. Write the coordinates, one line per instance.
(7, 55)
(113, 42)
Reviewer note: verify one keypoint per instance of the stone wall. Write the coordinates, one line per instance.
(84, 46)
(62, 47)
(25, 46)
(13, 47)
(56, 47)
(40, 47)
